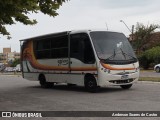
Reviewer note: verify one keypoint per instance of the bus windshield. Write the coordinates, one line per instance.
(112, 47)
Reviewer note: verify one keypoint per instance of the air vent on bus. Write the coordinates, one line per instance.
(121, 81)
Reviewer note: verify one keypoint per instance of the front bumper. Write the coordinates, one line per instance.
(117, 80)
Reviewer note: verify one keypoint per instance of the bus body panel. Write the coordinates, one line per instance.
(54, 70)
(73, 70)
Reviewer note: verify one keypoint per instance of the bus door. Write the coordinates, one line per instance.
(82, 57)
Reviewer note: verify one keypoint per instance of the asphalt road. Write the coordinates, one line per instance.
(18, 94)
(149, 74)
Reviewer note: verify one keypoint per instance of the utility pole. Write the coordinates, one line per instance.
(131, 31)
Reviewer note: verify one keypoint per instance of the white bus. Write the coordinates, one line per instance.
(86, 58)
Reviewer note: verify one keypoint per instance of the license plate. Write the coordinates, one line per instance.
(124, 77)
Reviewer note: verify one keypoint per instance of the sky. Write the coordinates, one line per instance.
(87, 14)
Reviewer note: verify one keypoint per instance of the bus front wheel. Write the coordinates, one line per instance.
(44, 84)
(126, 86)
(91, 84)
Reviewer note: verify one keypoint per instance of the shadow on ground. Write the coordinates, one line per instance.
(79, 88)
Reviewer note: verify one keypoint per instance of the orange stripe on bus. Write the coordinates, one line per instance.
(44, 67)
(83, 69)
(31, 58)
(107, 66)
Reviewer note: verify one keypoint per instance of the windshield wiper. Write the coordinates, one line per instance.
(112, 56)
(124, 54)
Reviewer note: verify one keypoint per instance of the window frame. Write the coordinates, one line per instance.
(82, 54)
(58, 48)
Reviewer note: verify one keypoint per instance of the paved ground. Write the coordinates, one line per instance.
(149, 74)
(19, 94)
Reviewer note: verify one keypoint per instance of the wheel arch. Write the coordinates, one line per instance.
(89, 75)
(41, 75)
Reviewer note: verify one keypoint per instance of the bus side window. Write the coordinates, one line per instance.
(51, 48)
(81, 48)
(88, 52)
(75, 48)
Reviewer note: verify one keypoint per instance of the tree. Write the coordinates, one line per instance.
(142, 36)
(18, 10)
(150, 57)
(15, 62)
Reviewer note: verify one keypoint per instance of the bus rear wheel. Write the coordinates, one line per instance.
(91, 84)
(126, 86)
(44, 84)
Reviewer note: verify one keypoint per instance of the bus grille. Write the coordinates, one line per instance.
(121, 81)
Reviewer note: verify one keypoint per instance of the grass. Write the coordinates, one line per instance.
(153, 79)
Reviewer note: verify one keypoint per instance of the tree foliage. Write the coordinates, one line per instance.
(150, 57)
(142, 35)
(15, 62)
(18, 10)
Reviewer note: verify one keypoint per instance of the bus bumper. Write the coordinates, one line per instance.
(117, 80)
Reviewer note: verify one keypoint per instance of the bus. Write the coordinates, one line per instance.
(89, 58)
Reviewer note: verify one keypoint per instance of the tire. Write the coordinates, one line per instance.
(91, 84)
(126, 86)
(157, 69)
(44, 84)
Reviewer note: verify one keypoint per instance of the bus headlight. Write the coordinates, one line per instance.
(107, 70)
(137, 69)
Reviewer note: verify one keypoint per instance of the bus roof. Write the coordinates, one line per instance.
(59, 34)
(46, 36)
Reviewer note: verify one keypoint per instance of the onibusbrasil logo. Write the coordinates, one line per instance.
(21, 114)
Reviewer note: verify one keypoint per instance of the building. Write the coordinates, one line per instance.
(16, 55)
(6, 50)
(1, 58)
(7, 56)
